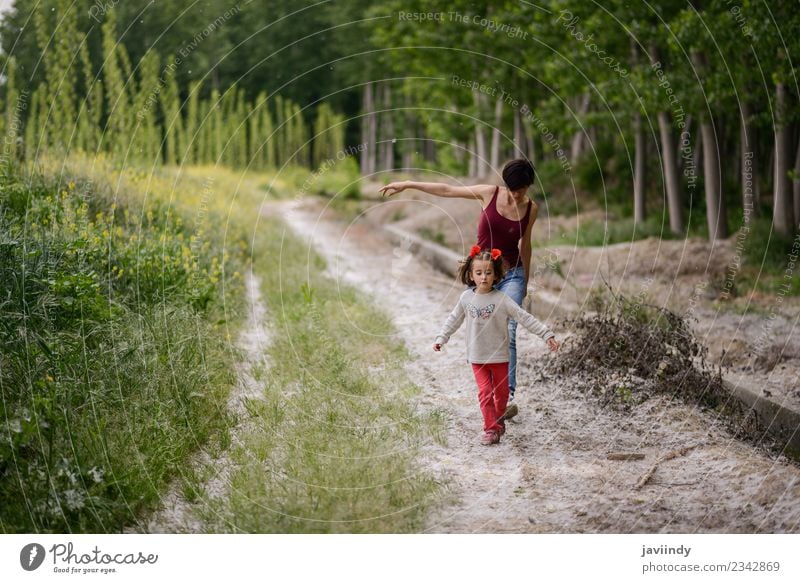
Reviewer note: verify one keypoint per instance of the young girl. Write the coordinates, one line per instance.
(487, 312)
(506, 222)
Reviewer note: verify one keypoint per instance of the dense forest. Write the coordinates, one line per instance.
(686, 106)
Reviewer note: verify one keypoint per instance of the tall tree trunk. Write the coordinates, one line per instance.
(496, 131)
(639, 170)
(473, 159)
(579, 137)
(697, 152)
(671, 181)
(480, 150)
(366, 97)
(520, 149)
(429, 150)
(716, 212)
(531, 144)
(796, 185)
(769, 180)
(387, 154)
(484, 167)
(687, 130)
(783, 210)
(459, 150)
(748, 169)
(368, 131)
(409, 131)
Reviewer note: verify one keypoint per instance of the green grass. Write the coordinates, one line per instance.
(434, 235)
(764, 260)
(337, 180)
(336, 436)
(114, 359)
(592, 233)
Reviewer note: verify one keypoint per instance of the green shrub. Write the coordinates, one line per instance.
(339, 180)
(111, 369)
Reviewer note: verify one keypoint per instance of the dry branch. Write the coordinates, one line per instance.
(624, 456)
(666, 457)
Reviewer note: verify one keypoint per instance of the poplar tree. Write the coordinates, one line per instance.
(33, 129)
(202, 132)
(321, 146)
(92, 105)
(215, 128)
(337, 132)
(190, 153)
(280, 131)
(58, 52)
(147, 135)
(173, 124)
(255, 151)
(228, 127)
(118, 123)
(12, 117)
(301, 157)
(240, 137)
(267, 138)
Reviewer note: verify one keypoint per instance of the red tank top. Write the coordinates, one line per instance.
(498, 232)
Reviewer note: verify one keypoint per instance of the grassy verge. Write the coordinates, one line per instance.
(337, 435)
(592, 233)
(119, 291)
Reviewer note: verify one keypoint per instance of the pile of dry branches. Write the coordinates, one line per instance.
(628, 351)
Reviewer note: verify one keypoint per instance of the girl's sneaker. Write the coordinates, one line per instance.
(490, 437)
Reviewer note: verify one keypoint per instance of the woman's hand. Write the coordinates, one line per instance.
(437, 347)
(552, 344)
(393, 188)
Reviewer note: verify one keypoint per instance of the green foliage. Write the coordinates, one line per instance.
(111, 369)
(766, 248)
(592, 233)
(120, 118)
(337, 179)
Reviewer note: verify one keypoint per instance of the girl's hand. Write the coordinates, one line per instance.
(437, 347)
(552, 344)
(393, 188)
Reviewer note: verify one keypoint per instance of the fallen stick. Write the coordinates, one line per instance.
(666, 457)
(624, 456)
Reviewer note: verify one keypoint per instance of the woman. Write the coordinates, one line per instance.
(505, 223)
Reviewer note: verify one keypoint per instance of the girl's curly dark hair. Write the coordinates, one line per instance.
(465, 267)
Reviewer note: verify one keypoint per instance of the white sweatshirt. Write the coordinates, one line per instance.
(487, 318)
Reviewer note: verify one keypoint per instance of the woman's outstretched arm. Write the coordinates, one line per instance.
(477, 192)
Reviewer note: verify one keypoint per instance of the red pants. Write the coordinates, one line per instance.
(492, 379)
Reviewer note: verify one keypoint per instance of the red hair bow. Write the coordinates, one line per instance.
(476, 249)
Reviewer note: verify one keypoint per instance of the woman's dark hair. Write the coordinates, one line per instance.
(465, 269)
(518, 174)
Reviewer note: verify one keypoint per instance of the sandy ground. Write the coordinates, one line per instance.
(551, 473)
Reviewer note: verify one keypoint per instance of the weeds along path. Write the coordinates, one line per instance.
(193, 493)
(551, 472)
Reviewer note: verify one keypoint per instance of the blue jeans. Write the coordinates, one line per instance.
(513, 285)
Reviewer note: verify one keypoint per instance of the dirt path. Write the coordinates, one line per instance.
(550, 473)
(207, 473)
